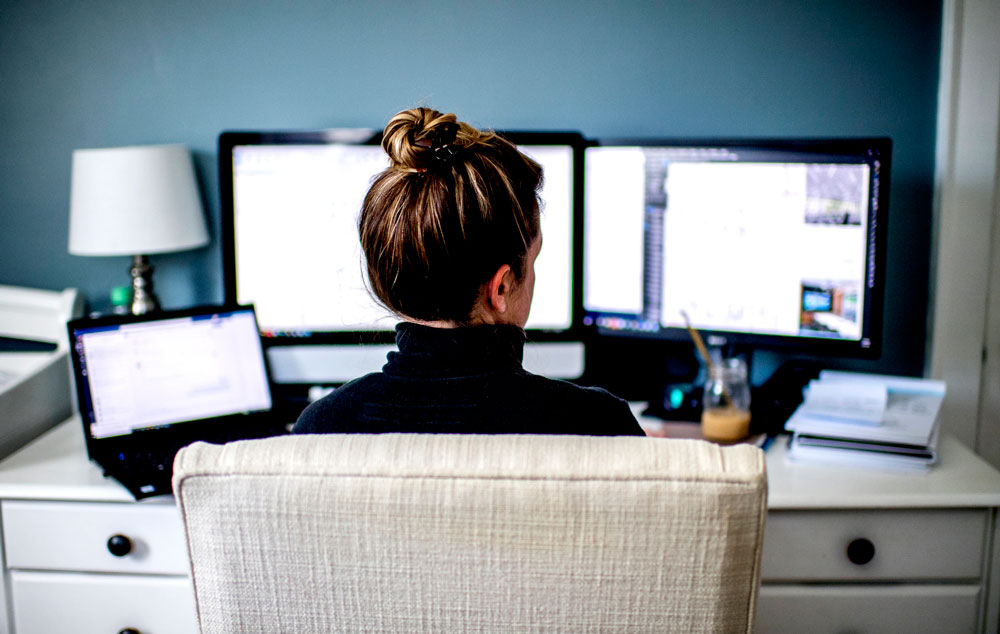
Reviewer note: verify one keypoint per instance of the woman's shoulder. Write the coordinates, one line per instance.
(590, 410)
(335, 412)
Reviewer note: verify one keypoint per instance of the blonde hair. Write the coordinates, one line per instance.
(455, 204)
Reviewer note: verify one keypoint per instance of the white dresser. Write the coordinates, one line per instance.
(923, 547)
(857, 550)
(80, 556)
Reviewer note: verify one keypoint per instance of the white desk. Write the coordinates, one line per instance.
(935, 567)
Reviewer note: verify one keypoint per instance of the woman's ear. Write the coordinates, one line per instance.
(498, 289)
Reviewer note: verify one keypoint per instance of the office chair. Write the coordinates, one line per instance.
(410, 533)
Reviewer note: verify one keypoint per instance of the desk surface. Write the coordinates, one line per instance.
(55, 467)
(959, 479)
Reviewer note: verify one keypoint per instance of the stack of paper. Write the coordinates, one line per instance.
(868, 419)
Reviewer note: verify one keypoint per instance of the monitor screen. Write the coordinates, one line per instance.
(290, 209)
(776, 243)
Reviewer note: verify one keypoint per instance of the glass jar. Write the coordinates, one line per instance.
(725, 415)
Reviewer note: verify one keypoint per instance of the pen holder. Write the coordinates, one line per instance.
(725, 415)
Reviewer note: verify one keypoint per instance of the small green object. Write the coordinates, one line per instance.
(676, 397)
(121, 296)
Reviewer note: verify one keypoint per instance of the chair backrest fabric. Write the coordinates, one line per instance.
(406, 533)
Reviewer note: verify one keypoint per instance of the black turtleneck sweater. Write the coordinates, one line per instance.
(469, 381)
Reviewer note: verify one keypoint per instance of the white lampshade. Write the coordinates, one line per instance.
(135, 200)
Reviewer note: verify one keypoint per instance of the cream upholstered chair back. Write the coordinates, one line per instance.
(410, 533)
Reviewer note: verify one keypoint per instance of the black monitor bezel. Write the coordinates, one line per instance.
(230, 139)
(834, 147)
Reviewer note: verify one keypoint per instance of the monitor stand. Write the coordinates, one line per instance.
(777, 398)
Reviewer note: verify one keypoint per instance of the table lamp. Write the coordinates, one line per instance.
(135, 201)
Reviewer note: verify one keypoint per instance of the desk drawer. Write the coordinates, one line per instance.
(902, 544)
(861, 609)
(74, 536)
(52, 602)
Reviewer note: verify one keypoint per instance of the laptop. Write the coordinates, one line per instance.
(148, 385)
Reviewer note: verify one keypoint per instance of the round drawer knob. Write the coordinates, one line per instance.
(130, 630)
(119, 546)
(860, 551)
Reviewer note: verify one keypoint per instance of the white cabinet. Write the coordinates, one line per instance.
(109, 567)
(80, 556)
(827, 571)
(863, 551)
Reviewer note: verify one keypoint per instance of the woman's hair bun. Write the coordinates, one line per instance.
(419, 139)
(455, 204)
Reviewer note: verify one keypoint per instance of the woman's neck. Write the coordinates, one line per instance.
(479, 317)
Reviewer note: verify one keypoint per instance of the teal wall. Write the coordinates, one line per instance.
(123, 72)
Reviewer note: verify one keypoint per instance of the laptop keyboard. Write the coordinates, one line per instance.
(147, 469)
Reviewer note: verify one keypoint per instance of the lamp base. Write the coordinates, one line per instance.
(143, 299)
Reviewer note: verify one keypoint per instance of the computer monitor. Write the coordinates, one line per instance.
(290, 205)
(775, 243)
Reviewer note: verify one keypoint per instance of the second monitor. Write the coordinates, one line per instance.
(775, 243)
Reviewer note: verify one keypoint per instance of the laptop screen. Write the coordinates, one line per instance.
(143, 373)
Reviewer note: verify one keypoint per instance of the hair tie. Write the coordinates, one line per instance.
(444, 154)
(441, 143)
